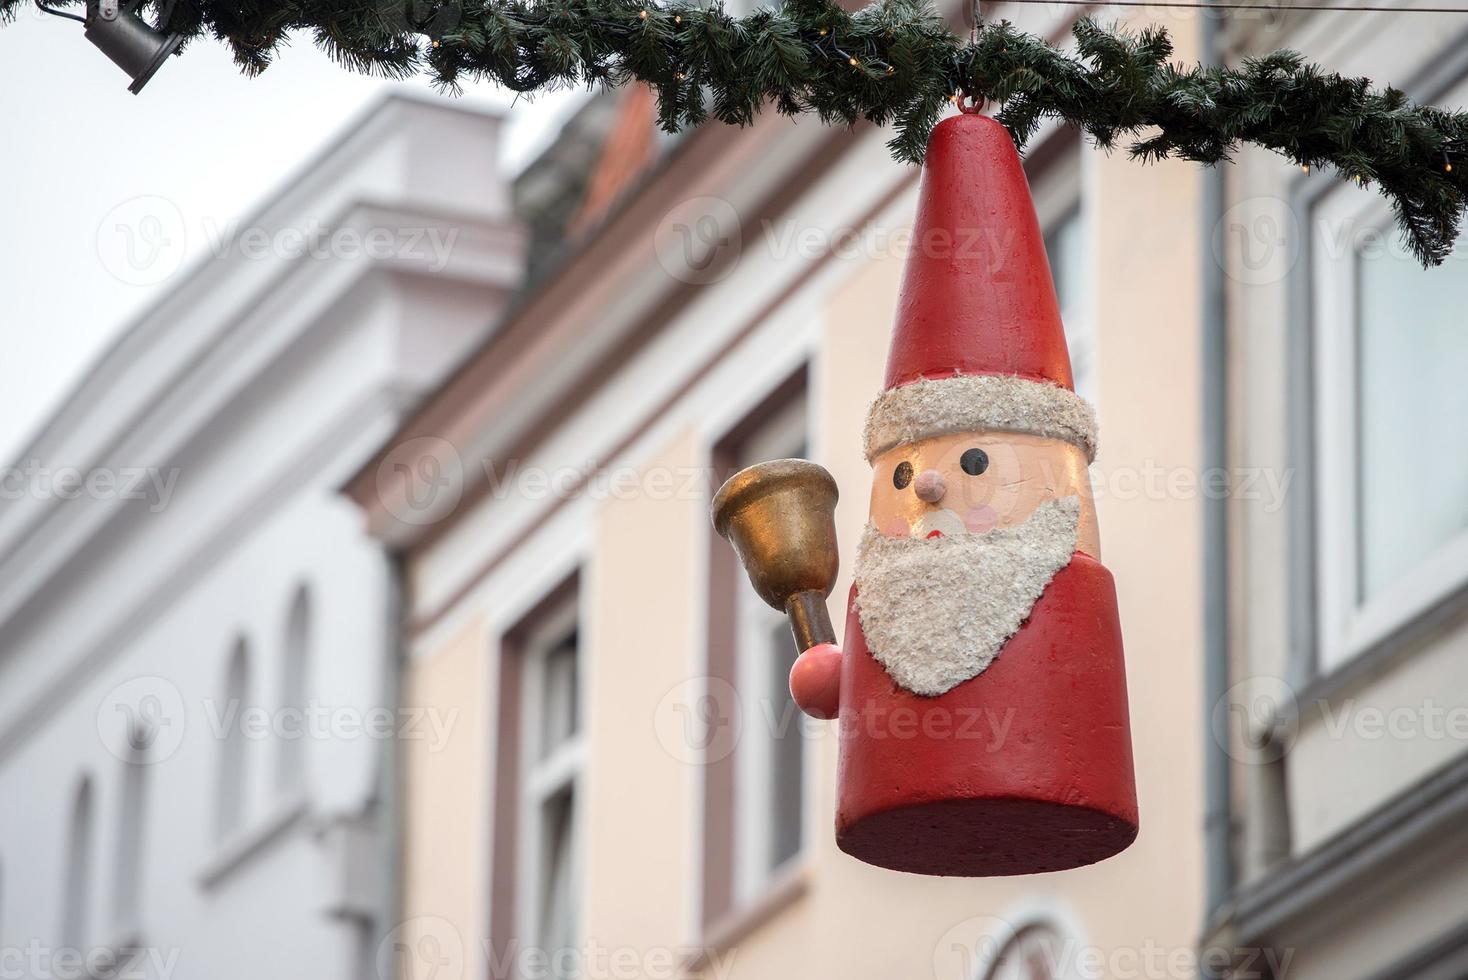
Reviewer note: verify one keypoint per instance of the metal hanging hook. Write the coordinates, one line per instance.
(968, 104)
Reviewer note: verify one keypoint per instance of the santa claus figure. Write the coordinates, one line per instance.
(980, 691)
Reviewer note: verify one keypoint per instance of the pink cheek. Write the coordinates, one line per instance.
(981, 519)
(896, 528)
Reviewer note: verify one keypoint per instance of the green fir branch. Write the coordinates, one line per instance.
(896, 62)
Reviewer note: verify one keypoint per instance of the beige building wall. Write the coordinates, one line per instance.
(1352, 850)
(642, 623)
(644, 588)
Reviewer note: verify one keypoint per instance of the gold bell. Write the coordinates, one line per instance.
(780, 517)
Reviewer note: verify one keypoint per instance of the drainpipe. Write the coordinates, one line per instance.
(391, 805)
(1218, 818)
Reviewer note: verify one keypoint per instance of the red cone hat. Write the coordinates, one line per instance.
(978, 341)
(977, 297)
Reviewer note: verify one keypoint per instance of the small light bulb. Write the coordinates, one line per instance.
(1448, 167)
(1304, 168)
(823, 32)
(642, 15)
(677, 18)
(851, 61)
(679, 76)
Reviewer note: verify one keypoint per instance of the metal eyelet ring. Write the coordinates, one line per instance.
(967, 104)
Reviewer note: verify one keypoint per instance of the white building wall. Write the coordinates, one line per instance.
(250, 393)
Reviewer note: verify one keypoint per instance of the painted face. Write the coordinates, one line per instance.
(974, 482)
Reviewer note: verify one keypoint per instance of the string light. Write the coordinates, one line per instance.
(642, 15)
(1304, 168)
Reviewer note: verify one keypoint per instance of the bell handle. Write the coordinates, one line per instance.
(809, 620)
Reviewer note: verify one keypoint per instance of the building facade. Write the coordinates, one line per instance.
(197, 637)
(627, 790)
(1341, 733)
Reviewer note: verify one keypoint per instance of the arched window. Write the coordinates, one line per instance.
(230, 798)
(78, 885)
(291, 774)
(1036, 952)
(130, 815)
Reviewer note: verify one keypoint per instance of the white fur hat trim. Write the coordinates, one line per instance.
(933, 407)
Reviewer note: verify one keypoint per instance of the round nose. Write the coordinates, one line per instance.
(929, 486)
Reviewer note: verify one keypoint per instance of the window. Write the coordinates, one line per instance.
(537, 846)
(129, 854)
(754, 787)
(1035, 952)
(1056, 177)
(77, 894)
(291, 774)
(230, 791)
(1391, 476)
(1067, 241)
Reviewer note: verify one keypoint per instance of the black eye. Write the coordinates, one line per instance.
(974, 462)
(902, 476)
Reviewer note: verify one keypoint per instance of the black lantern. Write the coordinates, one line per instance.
(122, 35)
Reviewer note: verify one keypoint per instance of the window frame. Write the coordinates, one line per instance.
(1056, 172)
(734, 891)
(784, 434)
(291, 764)
(524, 782)
(81, 865)
(1347, 627)
(132, 815)
(232, 759)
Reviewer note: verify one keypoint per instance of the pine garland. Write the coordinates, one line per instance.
(894, 61)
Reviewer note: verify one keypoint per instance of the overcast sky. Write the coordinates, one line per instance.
(76, 144)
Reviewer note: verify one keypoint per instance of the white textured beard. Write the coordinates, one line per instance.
(936, 611)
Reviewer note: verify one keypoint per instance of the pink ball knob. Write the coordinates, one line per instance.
(815, 681)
